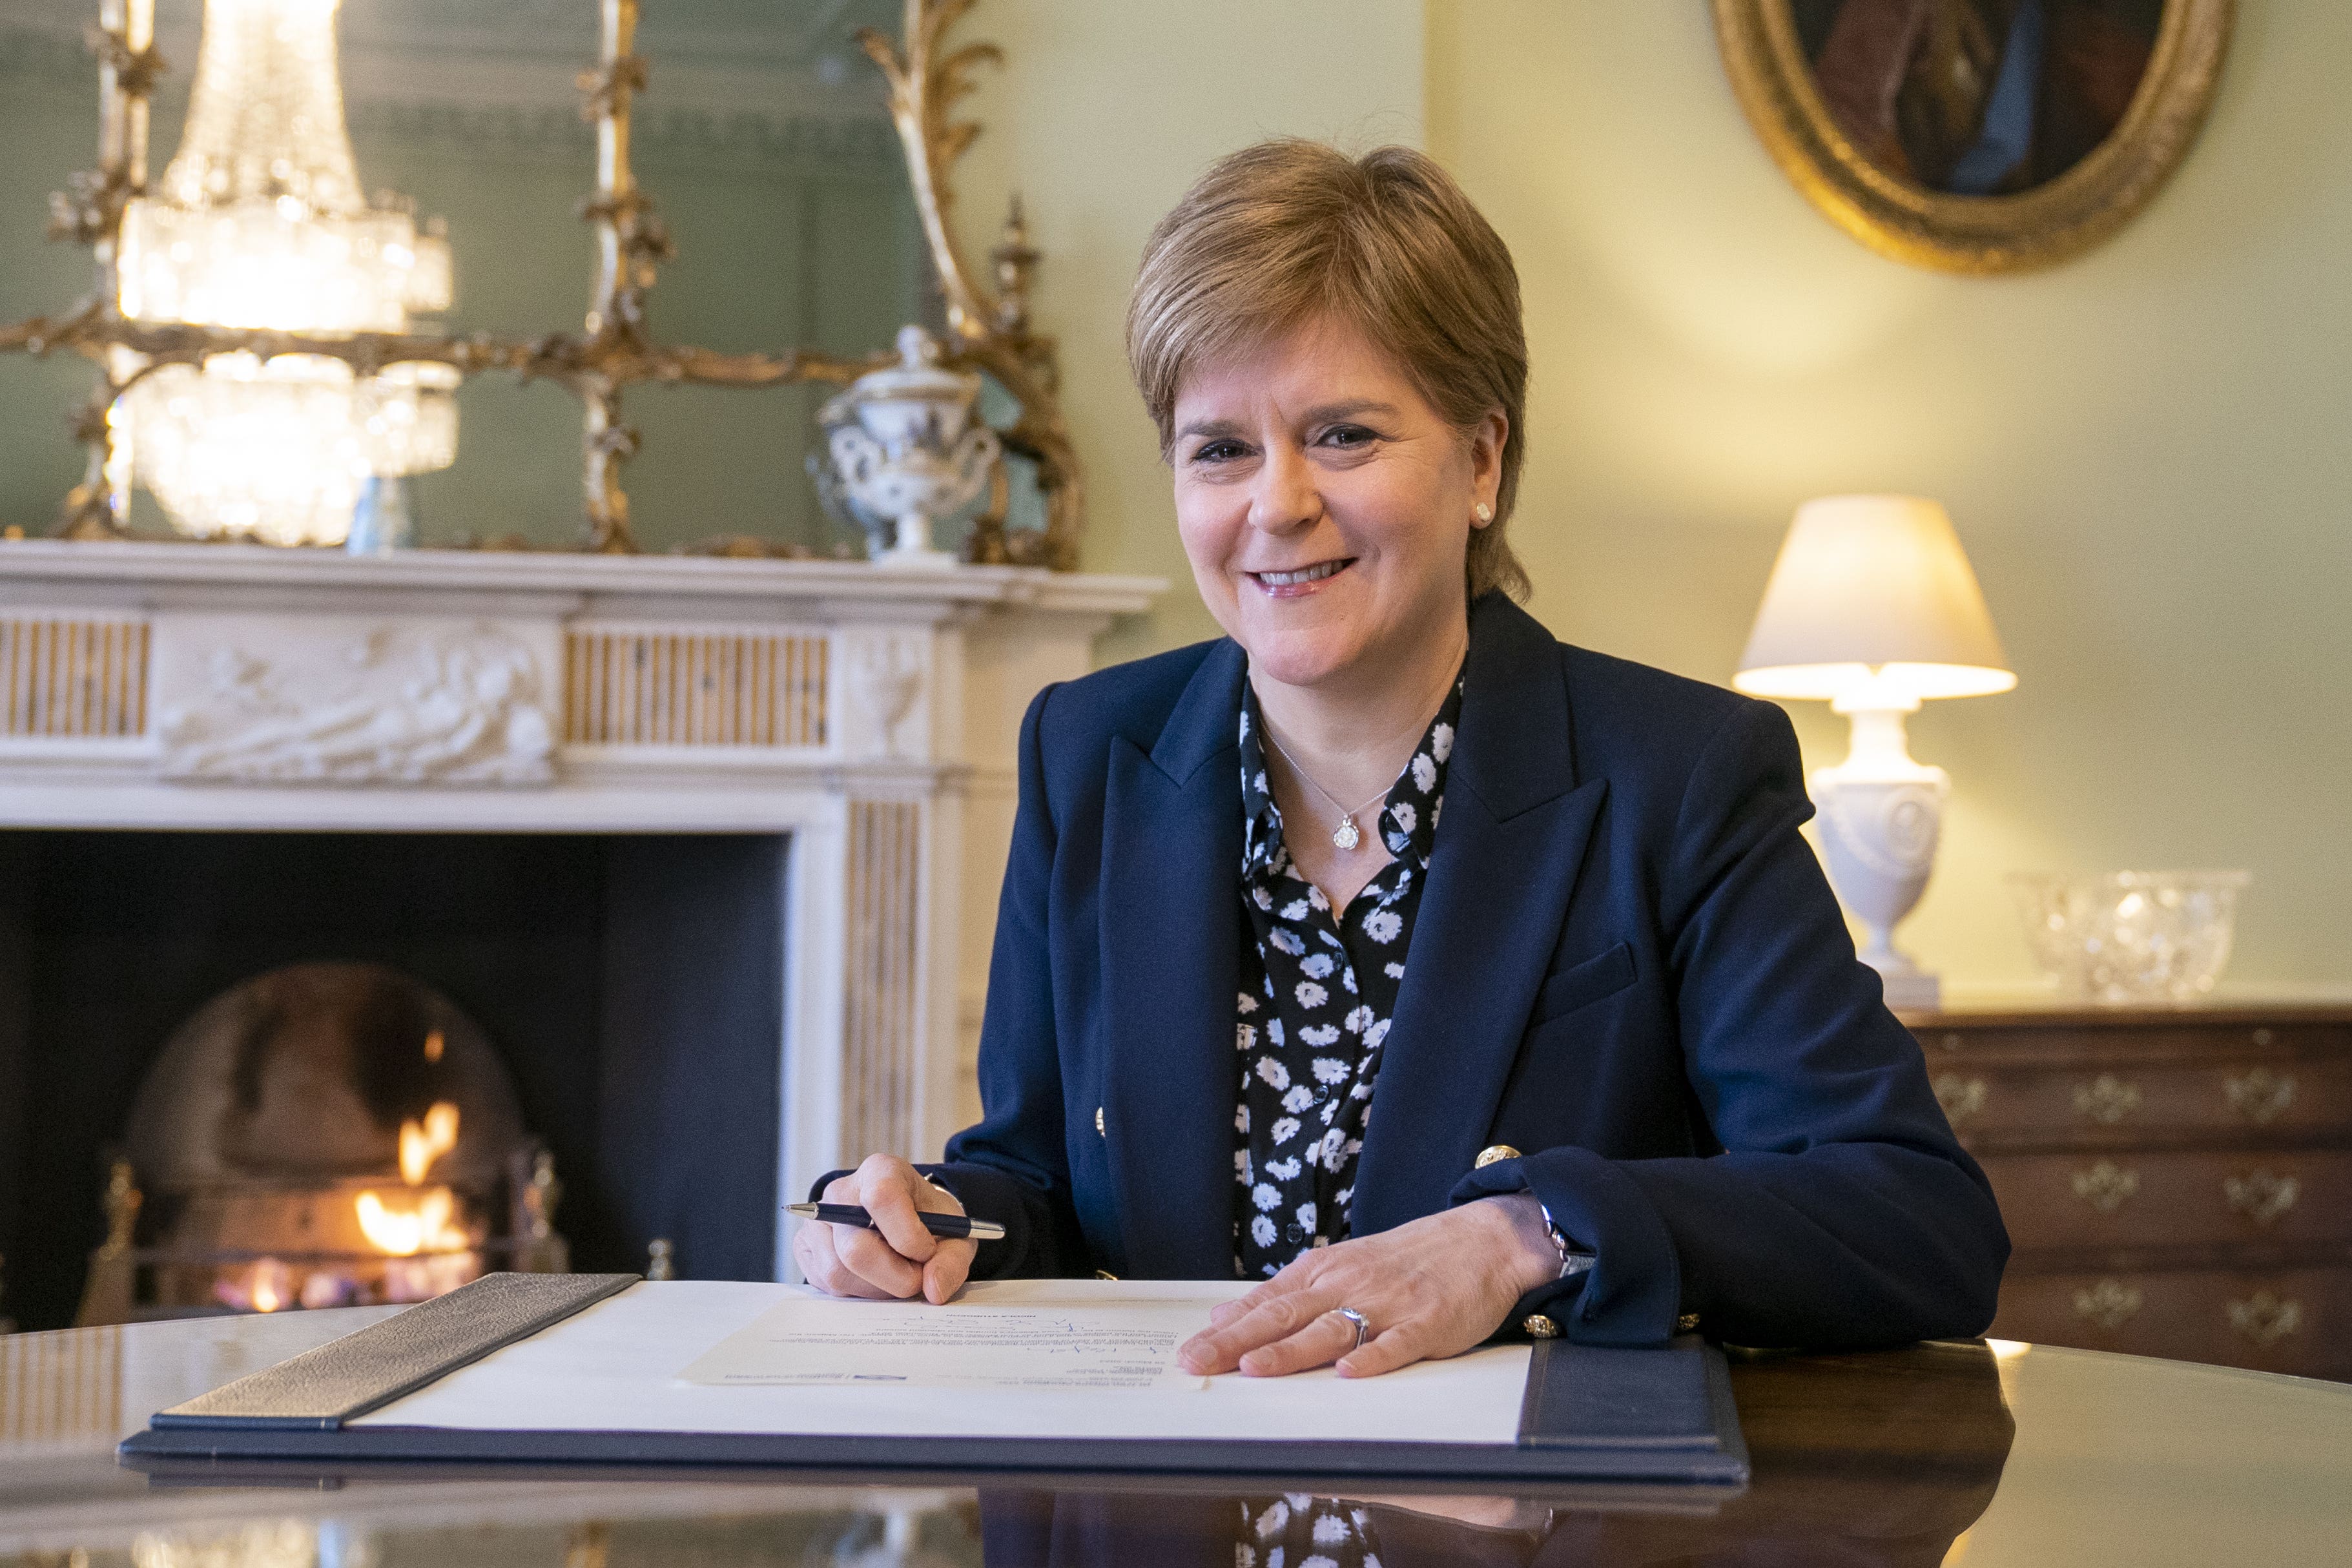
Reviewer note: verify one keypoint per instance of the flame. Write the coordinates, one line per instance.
(410, 1223)
(433, 1046)
(424, 1219)
(422, 1143)
(266, 1287)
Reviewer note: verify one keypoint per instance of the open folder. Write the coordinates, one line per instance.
(1049, 1374)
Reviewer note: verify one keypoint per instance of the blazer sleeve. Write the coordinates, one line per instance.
(1842, 1211)
(1012, 1166)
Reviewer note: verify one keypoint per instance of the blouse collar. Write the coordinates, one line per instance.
(1408, 815)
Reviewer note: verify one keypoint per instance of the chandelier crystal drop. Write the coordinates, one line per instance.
(260, 222)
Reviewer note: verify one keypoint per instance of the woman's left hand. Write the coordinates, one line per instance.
(1430, 1289)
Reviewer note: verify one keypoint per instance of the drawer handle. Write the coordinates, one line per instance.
(2265, 1320)
(1961, 1098)
(2261, 1095)
(2107, 1099)
(2105, 1185)
(2261, 1197)
(2109, 1304)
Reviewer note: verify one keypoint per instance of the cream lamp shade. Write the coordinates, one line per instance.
(1872, 605)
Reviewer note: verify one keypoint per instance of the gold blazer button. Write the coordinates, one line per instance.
(1492, 1152)
(1538, 1327)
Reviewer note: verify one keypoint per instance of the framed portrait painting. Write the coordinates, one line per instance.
(1976, 135)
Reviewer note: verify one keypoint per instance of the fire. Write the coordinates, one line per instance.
(421, 1143)
(273, 1284)
(423, 1221)
(268, 1286)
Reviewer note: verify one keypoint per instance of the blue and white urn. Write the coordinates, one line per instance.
(907, 448)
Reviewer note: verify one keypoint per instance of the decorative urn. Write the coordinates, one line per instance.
(906, 449)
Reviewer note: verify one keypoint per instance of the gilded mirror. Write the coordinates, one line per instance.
(810, 189)
(1976, 135)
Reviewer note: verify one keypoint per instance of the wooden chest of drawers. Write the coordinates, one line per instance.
(2175, 1182)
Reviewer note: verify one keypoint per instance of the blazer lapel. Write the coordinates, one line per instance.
(1515, 826)
(1171, 931)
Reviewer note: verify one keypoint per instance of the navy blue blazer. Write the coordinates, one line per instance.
(1627, 965)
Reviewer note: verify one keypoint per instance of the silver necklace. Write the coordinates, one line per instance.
(1345, 835)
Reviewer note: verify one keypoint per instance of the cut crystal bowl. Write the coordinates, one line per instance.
(2130, 937)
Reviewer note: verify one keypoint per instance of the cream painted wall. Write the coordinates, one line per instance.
(2146, 451)
(1105, 111)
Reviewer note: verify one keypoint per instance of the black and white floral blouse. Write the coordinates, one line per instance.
(1316, 995)
(1296, 1530)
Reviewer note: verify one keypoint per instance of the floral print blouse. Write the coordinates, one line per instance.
(1317, 991)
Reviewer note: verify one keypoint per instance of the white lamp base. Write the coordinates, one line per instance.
(1882, 816)
(1906, 985)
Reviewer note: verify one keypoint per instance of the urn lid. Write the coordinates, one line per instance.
(917, 377)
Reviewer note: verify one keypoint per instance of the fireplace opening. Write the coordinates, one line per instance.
(258, 1026)
(322, 1135)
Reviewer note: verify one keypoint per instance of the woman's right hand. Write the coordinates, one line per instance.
(900, 1259)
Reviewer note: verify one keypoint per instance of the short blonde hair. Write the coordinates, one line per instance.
(1279, 234)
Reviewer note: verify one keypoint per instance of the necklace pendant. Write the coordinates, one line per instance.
(1345, 836)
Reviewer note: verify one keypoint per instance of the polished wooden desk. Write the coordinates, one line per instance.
(1986, 1455)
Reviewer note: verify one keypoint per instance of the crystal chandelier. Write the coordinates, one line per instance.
(260, 223)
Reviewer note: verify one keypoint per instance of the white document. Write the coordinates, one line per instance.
(971, 1342)
(629, 1363)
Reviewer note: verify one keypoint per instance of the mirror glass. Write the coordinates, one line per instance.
(762, 139)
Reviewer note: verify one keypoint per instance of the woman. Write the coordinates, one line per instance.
(1442, 978)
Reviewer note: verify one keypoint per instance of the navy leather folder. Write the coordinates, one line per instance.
(1589, 1414)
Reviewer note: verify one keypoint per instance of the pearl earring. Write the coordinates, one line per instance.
(1483, 512)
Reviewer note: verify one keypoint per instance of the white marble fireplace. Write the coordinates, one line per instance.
(868, 716)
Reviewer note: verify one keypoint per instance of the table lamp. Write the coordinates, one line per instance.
(1872, 609)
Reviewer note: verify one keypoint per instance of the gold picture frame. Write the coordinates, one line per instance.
(2049, 223)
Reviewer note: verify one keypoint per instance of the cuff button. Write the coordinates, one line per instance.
(1538, 1327)
(1492, 1152)
(1687, 1322)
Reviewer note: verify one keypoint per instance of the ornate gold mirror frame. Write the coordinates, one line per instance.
(989, 329)
(2037, 228)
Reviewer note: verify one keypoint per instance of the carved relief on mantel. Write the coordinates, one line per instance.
(355, 700)
(887, 671)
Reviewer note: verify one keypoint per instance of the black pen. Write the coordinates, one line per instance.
(951, 1227)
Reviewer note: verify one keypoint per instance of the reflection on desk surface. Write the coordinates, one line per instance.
(1959, 1454)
